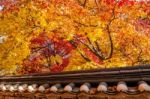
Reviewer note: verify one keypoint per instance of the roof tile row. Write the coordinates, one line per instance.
(75, 88)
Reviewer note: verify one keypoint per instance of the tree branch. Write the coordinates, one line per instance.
(94, 51)
(85, 25)
(109, 33)
(83, 56)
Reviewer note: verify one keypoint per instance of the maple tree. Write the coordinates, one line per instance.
(49, 52)
(124, 46)
(20, 22)
(18, 26)
(89, 33)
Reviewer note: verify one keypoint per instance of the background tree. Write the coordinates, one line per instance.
(104, 33)
(119, 22)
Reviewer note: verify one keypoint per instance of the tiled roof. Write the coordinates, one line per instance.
(90, 88)
(96, 83)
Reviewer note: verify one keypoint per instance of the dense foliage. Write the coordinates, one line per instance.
(66, 35)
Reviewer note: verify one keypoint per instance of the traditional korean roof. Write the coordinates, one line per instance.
(107, 82)
(91, 88)
(103, 90)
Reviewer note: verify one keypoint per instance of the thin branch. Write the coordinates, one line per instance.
(85, 25)
(140, 52)
(91, 49)
(82, 4)
(97, 4)
(109, 33)
(47, 59)
(96, 51)
(98, 48)
(38, 49)
(83, 56)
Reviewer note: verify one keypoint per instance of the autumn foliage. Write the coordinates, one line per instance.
(65, 35)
